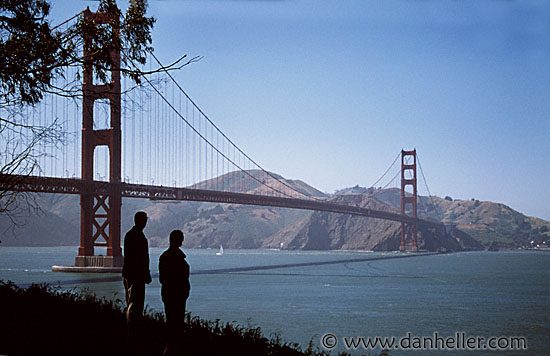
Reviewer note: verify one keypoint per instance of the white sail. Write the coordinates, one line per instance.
(220, 252)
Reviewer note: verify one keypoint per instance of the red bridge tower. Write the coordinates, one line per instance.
(408, 178)
(100, 212)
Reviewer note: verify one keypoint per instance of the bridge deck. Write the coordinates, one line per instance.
(76, 186)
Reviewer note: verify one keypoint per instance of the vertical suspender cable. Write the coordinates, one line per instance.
(157, 151)
(206, 117)
(150, 129)
(161, 139)
(187, 147)
(218, 173)
(193, 154)
(179, 146)
(124, 127)
(64, 130)
(199, 143)
(164, 138)
(192, 126)
(223, 166)
(53, 164)
(173, 141)
(141, 129)
(77, 133)
(134, 148)
(212, 157)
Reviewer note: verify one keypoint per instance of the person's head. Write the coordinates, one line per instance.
(140, 219)
(176, 238)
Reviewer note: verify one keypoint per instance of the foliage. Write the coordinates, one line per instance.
(137, 31)
(129, 33)
(34, 54)
(30, 52)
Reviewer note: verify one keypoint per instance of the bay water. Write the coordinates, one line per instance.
(305, 295)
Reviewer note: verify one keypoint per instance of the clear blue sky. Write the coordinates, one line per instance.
(330, 91)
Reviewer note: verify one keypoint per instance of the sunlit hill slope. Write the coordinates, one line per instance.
(208, 225)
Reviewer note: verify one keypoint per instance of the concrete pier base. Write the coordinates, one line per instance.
(93, 264)
(75, 269)
(409, 248)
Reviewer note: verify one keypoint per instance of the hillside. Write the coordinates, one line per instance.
(208, 225)
(204, 224)
(322, 231)
(483, 221)
(254, 182)
(329, 231)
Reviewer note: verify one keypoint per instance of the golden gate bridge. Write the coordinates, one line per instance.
(154, 142)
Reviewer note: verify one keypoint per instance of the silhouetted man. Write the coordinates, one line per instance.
(135, 271)
(174, 277)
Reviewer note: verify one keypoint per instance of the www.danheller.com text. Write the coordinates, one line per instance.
(458, 341)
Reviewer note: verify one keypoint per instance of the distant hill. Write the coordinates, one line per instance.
(323, 231)
(255, 181)
(484, 221)
(208, 225)
(354, 190)
(204, 224)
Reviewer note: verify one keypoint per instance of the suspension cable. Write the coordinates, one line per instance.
(426, 184)
(384, 187)
(387, 170)
(208, 142)
(227, 138)
(64, 22)
(371, 195)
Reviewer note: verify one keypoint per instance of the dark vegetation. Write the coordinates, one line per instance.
(35, 55)
(45, 320)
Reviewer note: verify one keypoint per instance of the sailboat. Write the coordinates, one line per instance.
(220, 252)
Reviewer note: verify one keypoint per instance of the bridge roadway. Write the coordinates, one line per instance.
(77, 186)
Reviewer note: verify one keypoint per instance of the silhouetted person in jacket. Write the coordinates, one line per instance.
(135, 271)
(174, 277)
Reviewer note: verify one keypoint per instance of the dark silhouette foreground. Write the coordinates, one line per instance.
(135, 272)
(43, 320)
(174, 277)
